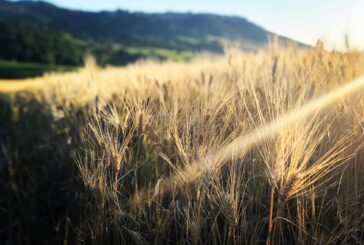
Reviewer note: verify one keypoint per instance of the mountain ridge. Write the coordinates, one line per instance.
(126, 33)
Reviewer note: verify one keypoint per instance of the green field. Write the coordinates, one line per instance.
(18, 70)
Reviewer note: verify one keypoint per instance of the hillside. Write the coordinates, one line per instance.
(41, 32)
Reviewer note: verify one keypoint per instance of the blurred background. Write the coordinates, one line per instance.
(37, 36)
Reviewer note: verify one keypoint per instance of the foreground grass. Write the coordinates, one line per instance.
(247, 148)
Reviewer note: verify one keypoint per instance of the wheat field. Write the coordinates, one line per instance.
(245, 148)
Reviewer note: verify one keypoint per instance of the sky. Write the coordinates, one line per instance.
(303, 20)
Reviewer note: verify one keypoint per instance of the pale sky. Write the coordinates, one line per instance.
(302, 20)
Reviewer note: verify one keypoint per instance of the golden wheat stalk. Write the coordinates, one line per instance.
(244, 143)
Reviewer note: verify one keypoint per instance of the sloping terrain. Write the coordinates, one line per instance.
(41, 32)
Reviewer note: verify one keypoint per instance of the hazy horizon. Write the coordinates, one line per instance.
(305, 22)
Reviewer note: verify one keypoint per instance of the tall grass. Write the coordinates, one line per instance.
(246, 148)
